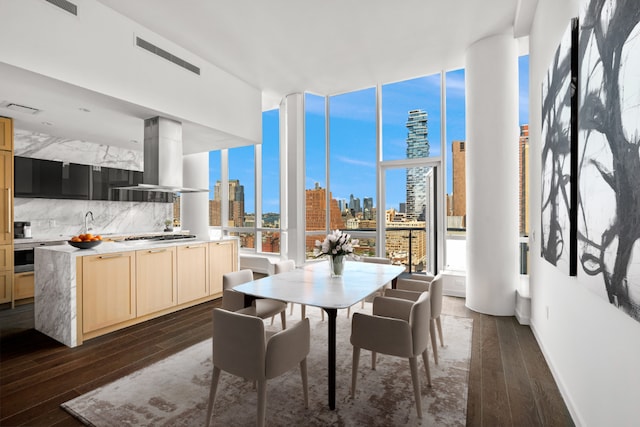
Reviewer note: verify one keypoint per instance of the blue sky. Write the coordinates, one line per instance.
(352, 136)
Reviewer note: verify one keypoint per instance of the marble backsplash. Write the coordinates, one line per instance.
(53, 218)
(48, 147)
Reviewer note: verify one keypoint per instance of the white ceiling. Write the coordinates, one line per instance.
(279, 46)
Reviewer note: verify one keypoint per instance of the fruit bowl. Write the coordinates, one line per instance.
(85, 245)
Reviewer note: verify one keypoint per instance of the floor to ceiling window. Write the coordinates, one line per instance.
(315, 121)
(411, 134)
(269, 228)
(352, 166)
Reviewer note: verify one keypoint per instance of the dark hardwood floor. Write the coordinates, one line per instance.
(509, 382)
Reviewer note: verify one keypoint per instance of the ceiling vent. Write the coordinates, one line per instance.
(20, 108)
(65, 5)
(166, 55)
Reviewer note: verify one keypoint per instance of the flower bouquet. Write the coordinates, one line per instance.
(336, 245)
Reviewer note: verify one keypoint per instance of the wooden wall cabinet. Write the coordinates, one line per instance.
(156, 280)
(108, 289)
(6, 209)
(223, 258)
(193, 272)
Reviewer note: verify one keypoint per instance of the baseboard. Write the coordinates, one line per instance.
(575, 415)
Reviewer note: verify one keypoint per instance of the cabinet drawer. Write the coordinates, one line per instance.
(23, 285)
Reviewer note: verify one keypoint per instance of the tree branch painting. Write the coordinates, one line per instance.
(558, 176)
(609, 162)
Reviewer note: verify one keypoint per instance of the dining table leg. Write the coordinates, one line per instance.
(332, 313)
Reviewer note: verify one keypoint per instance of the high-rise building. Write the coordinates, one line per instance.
(236, 204)
(316, 208)
(459, 202)
(417, 147)
(523, 192)
(367, 203)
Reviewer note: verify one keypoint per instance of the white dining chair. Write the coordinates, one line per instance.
(375, 260)
(242, 347)
(398, 327)
(233, 300)
(290, 265)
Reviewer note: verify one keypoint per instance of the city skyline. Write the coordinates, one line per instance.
(352, 126)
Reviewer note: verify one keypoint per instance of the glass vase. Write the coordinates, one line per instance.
(336, 264)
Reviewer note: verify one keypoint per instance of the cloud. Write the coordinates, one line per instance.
(356, 162)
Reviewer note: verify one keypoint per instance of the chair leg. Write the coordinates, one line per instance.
(303, 311)
(262, 402)
(362, 304)
(425, 359)
(291, 304)
(322, 314)
(283, 317)
(373, 360)
(212, 393)
(439, 325)
(305, 385)
(413, 363)
(434, 344)
(354, 370)
(348, 312)
(272, 317)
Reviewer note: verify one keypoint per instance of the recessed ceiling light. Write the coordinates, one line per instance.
(134, 141)
(47, 123)
(86, 110)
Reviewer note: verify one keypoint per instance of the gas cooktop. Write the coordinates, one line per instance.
(160, 237)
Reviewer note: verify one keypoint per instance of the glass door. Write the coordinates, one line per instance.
(411, 218)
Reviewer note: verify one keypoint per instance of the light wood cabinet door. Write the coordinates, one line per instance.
(6, 273)
(6, 286)
(23, 285)
(223, 258)
(108, 290)
(193, 272)
(156, 284)
(6, 134)
(6, 197)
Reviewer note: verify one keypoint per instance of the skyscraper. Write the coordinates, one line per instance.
(417, 147)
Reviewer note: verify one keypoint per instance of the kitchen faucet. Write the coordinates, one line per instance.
(86, 226)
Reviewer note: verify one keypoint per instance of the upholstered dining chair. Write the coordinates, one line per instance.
(375, 260)
(233, 300)
(413, 281)
(241, 347)
(398, 327)
(411, 292)
(290, 265)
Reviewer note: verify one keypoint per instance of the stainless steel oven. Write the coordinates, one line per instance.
(23, 254)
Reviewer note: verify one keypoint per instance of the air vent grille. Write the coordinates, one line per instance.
(65, 5)
(21, 108)
(166, 55)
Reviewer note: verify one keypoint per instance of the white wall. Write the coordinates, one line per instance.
(96, 50)
(591, 347)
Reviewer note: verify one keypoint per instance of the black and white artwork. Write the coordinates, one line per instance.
(558, 240)
(608, 141)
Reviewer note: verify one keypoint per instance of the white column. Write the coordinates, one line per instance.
(491, 77)
(292, 172)
(194, 208)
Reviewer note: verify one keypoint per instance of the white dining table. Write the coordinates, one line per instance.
(313, 285)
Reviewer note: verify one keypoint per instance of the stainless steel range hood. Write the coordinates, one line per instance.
(163, 158)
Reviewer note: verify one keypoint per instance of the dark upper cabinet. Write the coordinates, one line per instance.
(56, 180)
(50, 179)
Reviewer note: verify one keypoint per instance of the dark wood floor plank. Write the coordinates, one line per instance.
(521, 399)
(495, 400)
(549, 402)
(474, 400)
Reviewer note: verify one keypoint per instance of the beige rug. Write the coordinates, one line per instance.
(174, 391)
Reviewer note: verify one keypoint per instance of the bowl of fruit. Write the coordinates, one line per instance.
(85, 241)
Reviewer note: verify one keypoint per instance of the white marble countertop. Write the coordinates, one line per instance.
(133, 245)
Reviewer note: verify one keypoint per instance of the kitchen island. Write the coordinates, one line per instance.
(84, 293)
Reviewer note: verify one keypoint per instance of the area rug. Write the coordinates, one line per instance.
(174, 391)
